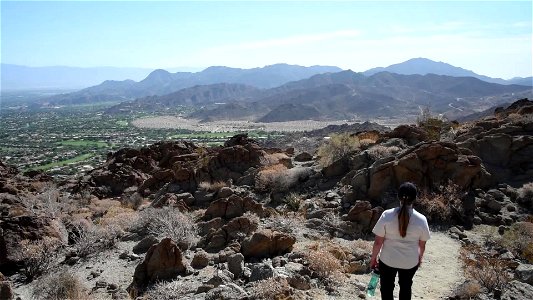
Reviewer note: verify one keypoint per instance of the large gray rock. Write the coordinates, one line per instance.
(236, 264)
(517, 290)
(261, 272)
(524, 273)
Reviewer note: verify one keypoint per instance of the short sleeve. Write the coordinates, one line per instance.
(379, 228)
(425, 235)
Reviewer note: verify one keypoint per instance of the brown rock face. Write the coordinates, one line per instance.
(426, 164)
(267, 243)
(412, 134)
(163, 261)
(233, 206)
(14, 230)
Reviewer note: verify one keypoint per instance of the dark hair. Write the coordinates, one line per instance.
(406, 195)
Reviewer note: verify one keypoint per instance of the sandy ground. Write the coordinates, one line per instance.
(173, 122)
(440, 273)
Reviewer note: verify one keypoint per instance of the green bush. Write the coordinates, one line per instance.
(337, 146)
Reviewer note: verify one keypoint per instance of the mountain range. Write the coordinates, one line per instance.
(423, 66)
(340, 95)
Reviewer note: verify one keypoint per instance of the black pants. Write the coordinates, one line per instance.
(387, 275)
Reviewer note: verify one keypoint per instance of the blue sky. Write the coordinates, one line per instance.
(491, 38)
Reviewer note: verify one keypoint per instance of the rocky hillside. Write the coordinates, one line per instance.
(344, 95)
(176, 220)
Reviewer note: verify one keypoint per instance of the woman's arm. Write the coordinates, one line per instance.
(422, 248)
(378, 243)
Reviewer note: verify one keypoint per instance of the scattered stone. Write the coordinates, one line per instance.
(145, 244)
(236, 264)
(163, 261)
(224, 192)
(517, 290)
(524, 273)
(100, 284)
(124, 255)
(261, 272)
(200, 260)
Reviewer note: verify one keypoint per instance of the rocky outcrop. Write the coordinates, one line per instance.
(163, 261)
(267, 243)
(426, 164)
(410, 133)
(233, 206)
(504, 143)
(13, 230)
(182, 164)
(362, 213)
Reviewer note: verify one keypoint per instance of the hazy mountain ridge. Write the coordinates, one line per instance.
(346, 94)
(423, 66)
(161, 82)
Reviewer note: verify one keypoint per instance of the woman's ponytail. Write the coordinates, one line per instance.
(407, 195)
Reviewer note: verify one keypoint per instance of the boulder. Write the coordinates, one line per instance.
(267, 243)
(15, 229)
(200, 260)
(143, 245)
(524, 273)
(304, 156)
(233, 206)
(517, 290)
(236, 264)
(163, 261)
(6, 290)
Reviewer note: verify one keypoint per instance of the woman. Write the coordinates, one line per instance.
(401, 235)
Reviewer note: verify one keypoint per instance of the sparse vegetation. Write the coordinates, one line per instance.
(336, 147)
(61, 286)
(525, 194)
(293, 201)
(324, 262)
(489, 271)
(212, 186)
(275, 288)
(519, 239)
(167, 290)
(379, 151)
(434, 125)
(38, 257)
(91, 238)
(444, 204)
(169, 222)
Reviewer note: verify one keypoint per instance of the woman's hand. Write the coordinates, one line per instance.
(374, 264)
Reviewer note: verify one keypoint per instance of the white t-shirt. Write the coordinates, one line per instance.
(397, 251)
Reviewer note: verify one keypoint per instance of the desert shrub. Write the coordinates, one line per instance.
(290, 222)
(519, 239)
(133, 201)
(38, 257)
(324, 263)
(63, 285)
(443, 205)
(168, 290)
(169, 222)
(90, 238)
(379, 151)
(48, 202)
(364, 245)
(490, 272)
(292, 201)
(525, 194)
(273, 177)
(271, 289)
(337, 146)
(212, 186)
(434, 125)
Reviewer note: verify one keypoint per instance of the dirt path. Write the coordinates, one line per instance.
(441, 270)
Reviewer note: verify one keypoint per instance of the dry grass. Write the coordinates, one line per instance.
(274, 288)
(325, 260)
(489, 271)
(379, 151)
(169, 222)
(121, 217)
(38, 257)
(91, 238)
(271, 178)
(337, 146)
(274, 159)
(168, 290)
(443, 205)
(133, 201)
(59, 287)
(366, 246)
(519, 239)
(290, 222)
(525, 194)
(212, 186)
